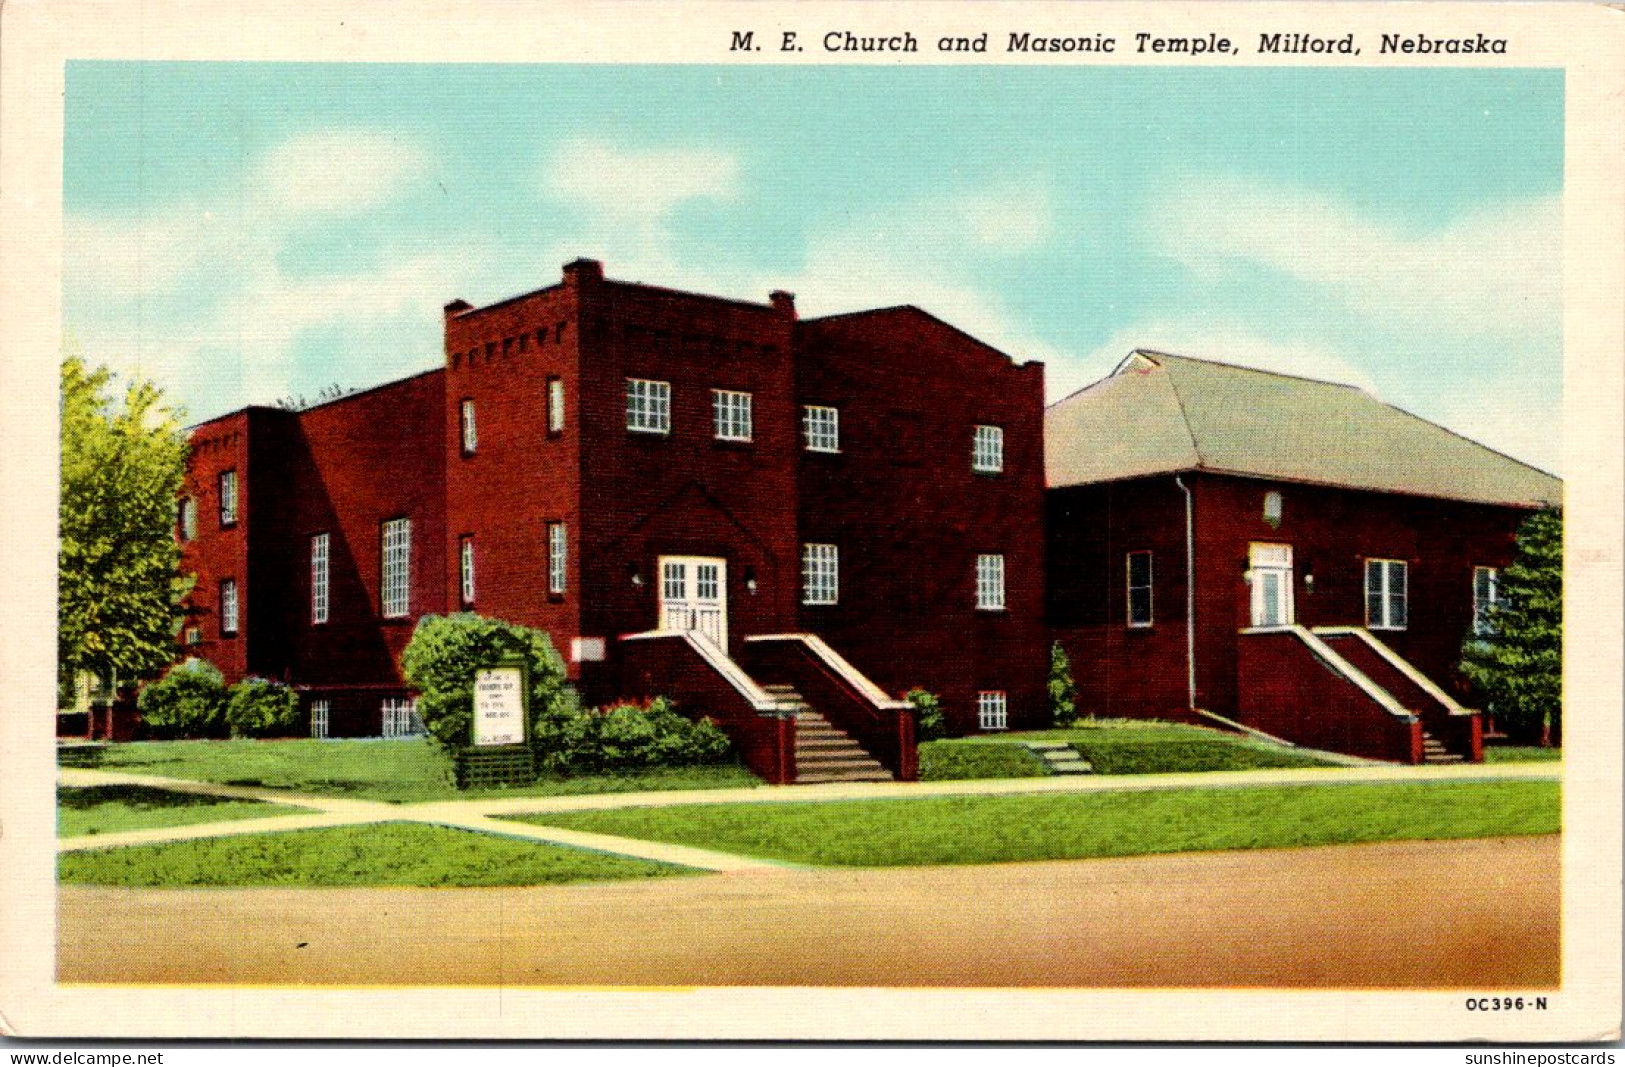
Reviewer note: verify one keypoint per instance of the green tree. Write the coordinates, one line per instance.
(1063, 692)
(118, 581)
(1517, 664)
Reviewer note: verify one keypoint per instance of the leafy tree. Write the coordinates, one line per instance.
(440, 660)
(1063, 692)
(1518, 665)
(119, 589)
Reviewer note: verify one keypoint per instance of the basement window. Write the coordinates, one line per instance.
(992, 710)
(401, 719)
(319, 718)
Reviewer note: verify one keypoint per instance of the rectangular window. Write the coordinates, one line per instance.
(188, 519)
(820, 574)
(228, 498)
(1139, 588)
(193, 635)
(648, 406)
(987, 450)
(466, 556)
(401, 719)
(990, 583)
(397, 556)
(228, 607)
(558, 557)
(731, 413)
(555, 405)
(318, 578)
(319, 718)
(1486, 594)
(992, 711)
(821, 428)
(1385, 581)
(471, 436)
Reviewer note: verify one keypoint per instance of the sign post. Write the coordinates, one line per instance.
(499, 751)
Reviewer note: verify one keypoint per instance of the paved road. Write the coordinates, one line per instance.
(1464, 914)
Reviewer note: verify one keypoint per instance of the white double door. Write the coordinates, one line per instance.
(694, 596)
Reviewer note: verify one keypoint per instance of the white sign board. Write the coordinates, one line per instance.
(499, 706)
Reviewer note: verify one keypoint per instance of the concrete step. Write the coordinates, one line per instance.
(1060, 757)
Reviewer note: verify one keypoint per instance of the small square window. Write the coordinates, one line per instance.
(992, 710)
(648, 406)
(731, 412)
(987, 450)
(821, 428)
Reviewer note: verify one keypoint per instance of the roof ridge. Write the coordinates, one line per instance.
(1249, 370)
(1184, 416)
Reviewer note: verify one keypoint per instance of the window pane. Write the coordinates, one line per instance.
(821, 428)
(987, 450)
(820, 579)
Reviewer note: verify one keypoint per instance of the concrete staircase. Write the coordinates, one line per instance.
(1061, 757)
(825, 753)
(1433, 751)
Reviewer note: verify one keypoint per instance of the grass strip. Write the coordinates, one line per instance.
(397, 771)
(111, 809)
(1000, 829)
(390, 854)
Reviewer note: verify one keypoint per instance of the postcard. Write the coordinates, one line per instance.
(812, 521)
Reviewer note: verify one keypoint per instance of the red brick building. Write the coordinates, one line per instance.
(1290, 554)
(694, 496)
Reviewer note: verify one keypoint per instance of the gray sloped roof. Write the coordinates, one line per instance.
(1159, 413)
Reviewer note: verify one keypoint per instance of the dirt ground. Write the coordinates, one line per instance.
(1458, 914)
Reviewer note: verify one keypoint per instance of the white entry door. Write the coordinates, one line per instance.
(1269, 568)
(694, 596)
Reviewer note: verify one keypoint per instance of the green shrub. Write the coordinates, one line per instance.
(440, 661)
(188, 701)
(930, 725)
(942, 761)
(627, 737)
(258, 707)
(1063, 691)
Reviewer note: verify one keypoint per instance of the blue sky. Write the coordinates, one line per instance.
(242, 232)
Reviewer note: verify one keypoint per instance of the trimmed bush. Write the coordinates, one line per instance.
(1063, 691)
(440, 661)
(627, 737)
(258, 707)
(930, 725)
(188, 701)
(942, 761)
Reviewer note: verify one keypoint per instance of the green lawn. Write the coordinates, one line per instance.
(1158, 748)
(109, 809)
(398, 771)
(942, 761)
(399, 854)
(958, 830)
(1521, 754)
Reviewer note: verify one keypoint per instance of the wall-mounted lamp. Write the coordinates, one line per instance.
(637, 579)
(750, 580)
(1309, 583)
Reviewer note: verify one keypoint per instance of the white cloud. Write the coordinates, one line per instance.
(336, 171)
(1494, 272)
(638, 184)
(1013, 219)
(123, 259)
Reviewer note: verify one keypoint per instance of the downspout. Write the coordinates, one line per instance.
(1190, 592)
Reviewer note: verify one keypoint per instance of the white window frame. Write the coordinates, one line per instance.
(731, 415)
(987, 450)
(1264, 560)
(555, 405)
(558, 558)
(648, 406)
(992, 710)
(320, 718)
(990, 582)
(320, 564)
(230, 607)
(395, 560)
(470, 429)
(1148, 586)
(188, 518)
(465, 559)
(1386, 595)
(401, 718)
(1482, 627)
(820, 573)
(228, 497)
(821, 428)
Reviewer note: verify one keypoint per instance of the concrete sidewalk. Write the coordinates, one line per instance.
(479, 814)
